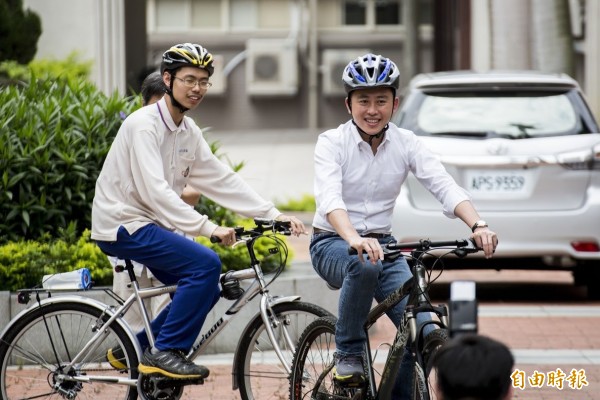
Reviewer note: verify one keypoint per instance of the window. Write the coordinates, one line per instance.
(206, 14)
(358, 12)
(368, 13)
(515, 116)
(225, 15)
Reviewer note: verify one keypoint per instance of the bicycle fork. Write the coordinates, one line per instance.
(271, 322)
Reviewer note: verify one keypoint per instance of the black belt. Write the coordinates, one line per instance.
(369, 235)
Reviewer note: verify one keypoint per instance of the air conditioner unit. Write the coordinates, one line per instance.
(218, 79)
(333, 63)
(271, 67)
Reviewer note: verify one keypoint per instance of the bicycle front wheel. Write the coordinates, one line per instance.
(312, 368)
(34, 354)
(260, 373)
(423, 385)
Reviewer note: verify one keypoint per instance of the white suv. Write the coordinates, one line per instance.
(527, 148)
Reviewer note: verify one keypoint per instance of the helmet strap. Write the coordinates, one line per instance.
(169, 91)
(370, 138)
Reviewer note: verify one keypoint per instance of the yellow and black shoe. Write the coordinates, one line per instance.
(171, 363)
(116, 358)
(349, 370)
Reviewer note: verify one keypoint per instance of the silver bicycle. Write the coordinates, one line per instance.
(57, 347)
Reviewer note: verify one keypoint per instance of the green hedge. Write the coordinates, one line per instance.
(54, 136)
(24, 263)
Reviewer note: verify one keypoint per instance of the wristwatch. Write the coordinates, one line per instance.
(479, 224)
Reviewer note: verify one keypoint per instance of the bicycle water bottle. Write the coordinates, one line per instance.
(79, 279)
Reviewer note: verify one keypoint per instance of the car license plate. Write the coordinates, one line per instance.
(498, 184)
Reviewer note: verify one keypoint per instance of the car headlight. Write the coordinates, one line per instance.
(582, 159)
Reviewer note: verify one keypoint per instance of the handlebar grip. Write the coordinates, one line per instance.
(352, 251)
(215, 239)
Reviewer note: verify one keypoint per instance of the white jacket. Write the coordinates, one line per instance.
(146, 169)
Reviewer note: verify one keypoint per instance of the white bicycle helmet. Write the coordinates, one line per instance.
(370, 71)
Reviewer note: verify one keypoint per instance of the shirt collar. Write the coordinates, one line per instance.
(358, 139)
(166, 118)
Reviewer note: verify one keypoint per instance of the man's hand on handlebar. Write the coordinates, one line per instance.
(370, 246)
(226, 235)
(485, 239)
(297, 227)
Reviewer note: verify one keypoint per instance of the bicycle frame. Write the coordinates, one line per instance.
(418, 302)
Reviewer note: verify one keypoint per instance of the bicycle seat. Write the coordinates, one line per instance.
(118, 266)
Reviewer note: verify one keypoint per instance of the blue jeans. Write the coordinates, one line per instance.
(360, 284)
(173, 259)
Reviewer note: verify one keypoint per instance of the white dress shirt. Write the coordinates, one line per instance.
(348, 176)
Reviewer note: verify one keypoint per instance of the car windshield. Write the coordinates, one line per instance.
(506, 116)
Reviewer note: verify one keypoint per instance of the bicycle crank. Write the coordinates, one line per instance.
(157, 387)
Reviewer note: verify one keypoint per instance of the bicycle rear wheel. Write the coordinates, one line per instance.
(260, 373)
(312, 376)
(423, 383)
(35, 351)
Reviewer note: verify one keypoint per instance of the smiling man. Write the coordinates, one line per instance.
(359, 169)
(138, 207)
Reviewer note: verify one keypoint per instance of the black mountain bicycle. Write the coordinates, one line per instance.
(312, 376)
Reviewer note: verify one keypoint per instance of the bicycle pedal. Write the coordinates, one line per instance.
(163, 381)
(354, 382)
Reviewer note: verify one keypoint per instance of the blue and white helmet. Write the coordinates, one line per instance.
(371, 71)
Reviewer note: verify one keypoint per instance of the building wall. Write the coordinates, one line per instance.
(95, 29)
(92, 28)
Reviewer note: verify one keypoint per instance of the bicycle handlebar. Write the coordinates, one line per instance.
(261, 225)
(461, 247)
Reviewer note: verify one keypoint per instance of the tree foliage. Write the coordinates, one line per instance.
(19, 32)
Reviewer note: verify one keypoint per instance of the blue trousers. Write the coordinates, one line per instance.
(360, 284)
(173, 259)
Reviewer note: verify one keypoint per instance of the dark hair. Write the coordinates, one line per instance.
(153, 85)
(475, 367)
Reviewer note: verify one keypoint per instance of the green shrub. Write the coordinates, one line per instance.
(305, 203)
(71, 69)
(19, 31)
(23, 263)
(54, 136)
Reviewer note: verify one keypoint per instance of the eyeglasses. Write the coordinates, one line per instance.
(191, 82)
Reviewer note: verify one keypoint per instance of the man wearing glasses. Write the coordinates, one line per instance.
(138, 207)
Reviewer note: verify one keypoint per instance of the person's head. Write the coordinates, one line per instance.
(186, 69)
(153, 88)
(475, 367)
(371, 82)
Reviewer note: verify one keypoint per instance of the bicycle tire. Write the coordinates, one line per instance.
(422, 383)
(312, 376)
(260, 374)
(34, 348)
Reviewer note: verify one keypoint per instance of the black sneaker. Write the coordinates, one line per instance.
(116, 358)
(171, 363)
(349, 369)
